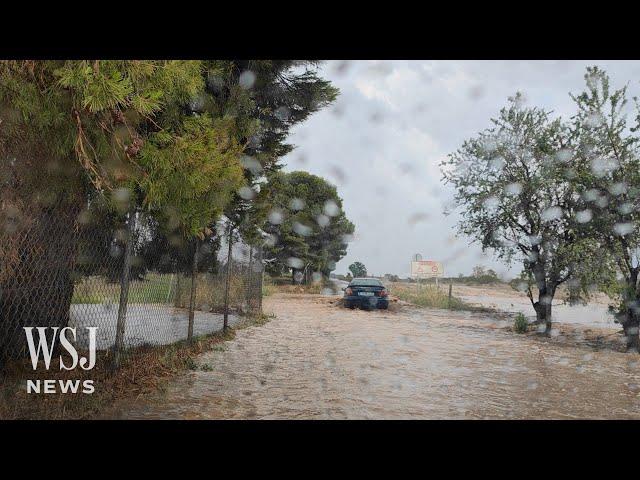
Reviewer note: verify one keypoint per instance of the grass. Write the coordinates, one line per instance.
(155, 288)
(430, 296)
(273, 285)
(144, 370)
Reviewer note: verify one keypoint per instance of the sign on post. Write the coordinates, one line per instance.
(426, 269)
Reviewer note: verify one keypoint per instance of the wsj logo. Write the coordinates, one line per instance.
(46, 350)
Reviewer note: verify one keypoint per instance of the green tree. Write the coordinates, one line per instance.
(606, 166)
(358, 269)
(278, 94)
(121, 130)
(307, 227)
(516, 198)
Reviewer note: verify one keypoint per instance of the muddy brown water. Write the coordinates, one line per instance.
(319, 361)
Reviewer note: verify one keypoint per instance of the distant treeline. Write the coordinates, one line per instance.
(479, 276)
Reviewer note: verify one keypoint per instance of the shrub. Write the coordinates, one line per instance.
(520, 324)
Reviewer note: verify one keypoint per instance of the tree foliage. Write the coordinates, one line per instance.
(358, 269)
(307, 227)
(517, 198)
(606, 162)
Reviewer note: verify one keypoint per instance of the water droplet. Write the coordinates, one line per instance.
(584, 216)
(513, 188)
(322, 220)
(296, 204)
(295, 262)
(247, 193)
(247, 79)
(275, 216)
(623, 229)
(551, 213)
(302, 229)
(331, 208)
(251, 164)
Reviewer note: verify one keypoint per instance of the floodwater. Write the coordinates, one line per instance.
(146, 324)
(319, 361)
(592, 314)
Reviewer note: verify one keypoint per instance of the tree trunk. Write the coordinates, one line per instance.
(630, 316)
(543, 307)
(36, 266)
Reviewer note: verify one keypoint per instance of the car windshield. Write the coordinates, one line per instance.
(369, 282)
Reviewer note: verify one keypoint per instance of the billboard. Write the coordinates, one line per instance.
(426, 269)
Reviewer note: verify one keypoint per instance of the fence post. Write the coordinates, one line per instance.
(124, 291)
(250, 290)
(450, 288)
(192, 299)
(259, 259)
(226, 288)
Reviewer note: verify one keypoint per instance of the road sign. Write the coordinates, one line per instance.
(426, 269)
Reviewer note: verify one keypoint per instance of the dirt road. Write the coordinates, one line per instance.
(320, 361)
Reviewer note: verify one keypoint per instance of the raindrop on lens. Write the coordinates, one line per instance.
(513, 188)
(618, 188)
(296, 204)
(322, 220)
(602, 166)
(626, 208)
(331, 208)
(302, 229)
(295, 262)
(247, 193)
(275, 216)
(491, 203)
(551, 213)
(584, 216)
(251, 164)
(623, 229)
(247, 79)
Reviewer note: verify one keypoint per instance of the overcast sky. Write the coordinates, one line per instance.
(394, 122)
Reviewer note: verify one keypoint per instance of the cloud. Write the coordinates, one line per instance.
(395, 121)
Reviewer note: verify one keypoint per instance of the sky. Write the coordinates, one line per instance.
(382, 141)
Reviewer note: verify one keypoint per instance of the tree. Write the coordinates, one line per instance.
(120, 130)
(358, 269)
(278, 95)
(478, 271)
(307, 227)
(606, 166)
(517, 199)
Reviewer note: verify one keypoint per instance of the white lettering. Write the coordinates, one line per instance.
(92, 350)
(42, 345)
(69, 348)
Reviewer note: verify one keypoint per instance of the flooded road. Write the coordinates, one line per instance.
(594, 314)
(319, 361)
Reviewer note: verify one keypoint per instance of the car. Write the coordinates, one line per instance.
(366, 293)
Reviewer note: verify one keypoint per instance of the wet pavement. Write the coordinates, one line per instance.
(319, 361)
(146, 324)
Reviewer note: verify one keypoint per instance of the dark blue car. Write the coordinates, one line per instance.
(366, 293)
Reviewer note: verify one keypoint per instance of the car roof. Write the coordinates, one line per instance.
(367, 278)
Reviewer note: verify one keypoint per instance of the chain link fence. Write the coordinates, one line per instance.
(62, 264)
